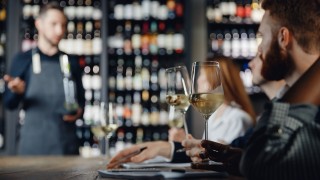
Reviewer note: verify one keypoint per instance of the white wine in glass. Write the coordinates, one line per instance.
(179, 101)
(107, 124)
(178, 90)
(206, 89)
(176, 118)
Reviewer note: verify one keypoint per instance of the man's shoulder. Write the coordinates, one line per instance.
(23, 56)
(317, 119)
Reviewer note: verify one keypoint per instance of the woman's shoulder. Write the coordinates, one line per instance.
(237, 113)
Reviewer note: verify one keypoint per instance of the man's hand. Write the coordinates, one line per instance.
(72, 118)
(16, 85)
(177, 134)
(229, 156)
(193, 147)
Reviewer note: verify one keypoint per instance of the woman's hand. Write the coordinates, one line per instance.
(153, 149)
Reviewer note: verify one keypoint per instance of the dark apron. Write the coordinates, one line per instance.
(44, 131)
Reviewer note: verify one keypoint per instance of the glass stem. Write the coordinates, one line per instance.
(107, 138)
(185, 123)
(206, 130)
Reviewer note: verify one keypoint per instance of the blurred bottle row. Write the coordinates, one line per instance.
(234, 11)
(234, 43)
(146, 9)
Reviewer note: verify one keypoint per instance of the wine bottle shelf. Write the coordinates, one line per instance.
(140, 21)
(233, 24)
(232, 27)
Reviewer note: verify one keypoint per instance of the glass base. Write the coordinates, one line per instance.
(208, 165)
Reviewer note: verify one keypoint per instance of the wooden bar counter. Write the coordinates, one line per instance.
(53, 167)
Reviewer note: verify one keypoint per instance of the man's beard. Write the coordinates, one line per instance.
(277, 64)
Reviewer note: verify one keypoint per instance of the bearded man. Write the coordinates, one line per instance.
(289, 50)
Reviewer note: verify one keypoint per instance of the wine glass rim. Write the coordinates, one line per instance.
(176, 67)
(212, 63)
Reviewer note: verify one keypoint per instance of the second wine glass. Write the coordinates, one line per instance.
(178, 90)
(206, 89)
(107, 124)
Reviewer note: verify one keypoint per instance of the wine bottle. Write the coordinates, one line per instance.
(145, 74)
(96, 78)
(119, 11)
(86, 78)
(226, 47)
(120, 145)
(253, 47)
(153, 39)
(119, 110)
(136, 109)
(137, 11)
(154, 9)
(154, 115)
(244, 44)
(146, 10)
(235, 44)
(139, 135)
(97, 41)
(127, 47)
(145, 117)
(214, 42)
(128, 11)
(128, 78)
(224, 8)
(136, 39)
(127, 111)
(79, 41)
(137, 79)
(154, 75)
(178, 44)
(161, 38)
(179, 8)
(145, 39)
(171, 5)
(120, 80)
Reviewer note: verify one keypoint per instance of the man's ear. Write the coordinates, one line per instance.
(37, 23)
(284, 37)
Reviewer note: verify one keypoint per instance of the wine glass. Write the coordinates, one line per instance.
(107, 124)
(178, 90)
(206, 89)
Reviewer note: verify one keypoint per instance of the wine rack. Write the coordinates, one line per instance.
(133, 41)
(3, 14)
(144, 38)
(232, 29)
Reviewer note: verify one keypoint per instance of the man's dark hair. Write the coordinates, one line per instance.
(301, 17)
(49, 6)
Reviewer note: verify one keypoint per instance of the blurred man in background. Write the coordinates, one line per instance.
(35, 80)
